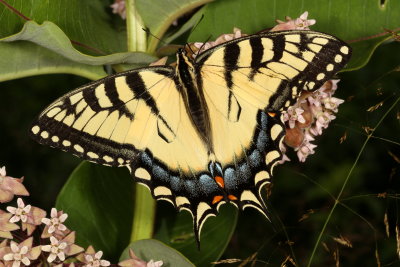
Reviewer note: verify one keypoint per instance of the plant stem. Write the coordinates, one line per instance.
(144, 205)
(143, 214)
(137, 39)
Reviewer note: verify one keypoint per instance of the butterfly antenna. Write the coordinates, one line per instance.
(192, 29)
(197, 24)
(190, 48)
(204, 43)
(149, 32)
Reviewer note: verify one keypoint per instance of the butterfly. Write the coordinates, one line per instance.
(204, 132)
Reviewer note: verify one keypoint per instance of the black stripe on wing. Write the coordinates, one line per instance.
(83, 145)
(231, 56)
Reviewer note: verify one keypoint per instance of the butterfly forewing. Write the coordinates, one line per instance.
(275, 67)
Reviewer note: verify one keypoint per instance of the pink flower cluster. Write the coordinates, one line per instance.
(119, 8)
(312, 113)
(301, 23)
(56, 243)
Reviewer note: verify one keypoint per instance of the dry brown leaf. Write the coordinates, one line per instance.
(243, 262)
(394, 34)
(249, 259)
(336, 257)
(290, 243)
(343, 241)
(397, 159)
(378, 261)
(288, 259)
(367, 129)
(325, 247)
(228, 261)
(343, 138)
(386, 222)
(382, 195)
(398, 240)
(375, 107)
(306, 215)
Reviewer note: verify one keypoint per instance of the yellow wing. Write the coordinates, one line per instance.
(246, 83)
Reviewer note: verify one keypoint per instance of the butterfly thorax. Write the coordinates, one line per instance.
(186, 73)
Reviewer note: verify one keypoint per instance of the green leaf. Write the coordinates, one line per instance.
(86, 22)
(176, 230)
(50, 51)
(50, 36)
(159, 16)
(150, 249)
(22, 59)
(99, 202)
(348, 20)
(362, 52)
(192, 22)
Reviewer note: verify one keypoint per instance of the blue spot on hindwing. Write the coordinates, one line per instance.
(176, 183)
(160, 174)
(192, 188)
(146, 160)
(230, 179)
(263, 121)
(244, 172)
(207, 184)
(262, 141)
(255, 158)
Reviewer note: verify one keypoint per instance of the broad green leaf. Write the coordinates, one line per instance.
(192, 22)
(176, 230)
(348, 20)
(23, 59)
(49, 36)
(362, 52)
(86, 22)
(150, 249)
(99, 202)
(159, 15)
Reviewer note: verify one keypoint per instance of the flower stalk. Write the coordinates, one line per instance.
(136, 35)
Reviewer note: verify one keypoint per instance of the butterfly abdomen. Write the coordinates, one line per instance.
(194, 101)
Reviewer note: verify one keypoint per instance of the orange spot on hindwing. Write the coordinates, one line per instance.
(272, 114)
(232, 197)
(217, 199)
(220, 181)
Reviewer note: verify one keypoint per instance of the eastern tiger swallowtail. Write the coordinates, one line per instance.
(203, 133)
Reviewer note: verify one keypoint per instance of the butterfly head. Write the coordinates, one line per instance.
(185, 67)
